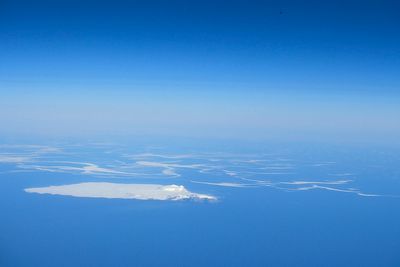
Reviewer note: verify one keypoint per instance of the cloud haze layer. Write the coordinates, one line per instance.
(122, 191)
(217, 169)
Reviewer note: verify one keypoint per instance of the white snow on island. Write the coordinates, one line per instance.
(122, 191)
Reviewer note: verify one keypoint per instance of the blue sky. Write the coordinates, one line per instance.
(240, 69)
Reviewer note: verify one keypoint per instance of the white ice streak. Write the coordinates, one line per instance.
(295, 185)
(168, 168)
(341, 174)
(226, 184)
(317, 182)
(153, 164)
(18, 154)
(167, 165)
(327, 163)
(7, 158)
(350, 190)
(230, 173)
(164, 156)
(79, 167)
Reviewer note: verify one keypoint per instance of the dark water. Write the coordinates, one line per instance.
(251, 226)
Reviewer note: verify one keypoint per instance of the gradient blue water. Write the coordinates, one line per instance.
(246, 227)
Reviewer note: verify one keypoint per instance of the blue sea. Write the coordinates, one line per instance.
(275, 204)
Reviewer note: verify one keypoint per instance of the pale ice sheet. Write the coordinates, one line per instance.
(122, 191)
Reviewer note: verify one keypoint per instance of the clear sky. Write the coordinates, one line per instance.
(238, 69)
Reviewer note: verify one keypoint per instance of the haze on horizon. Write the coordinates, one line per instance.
(280, 70)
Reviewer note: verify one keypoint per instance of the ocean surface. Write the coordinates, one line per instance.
(265, 204)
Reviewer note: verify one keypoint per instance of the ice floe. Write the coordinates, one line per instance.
(122, 191)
